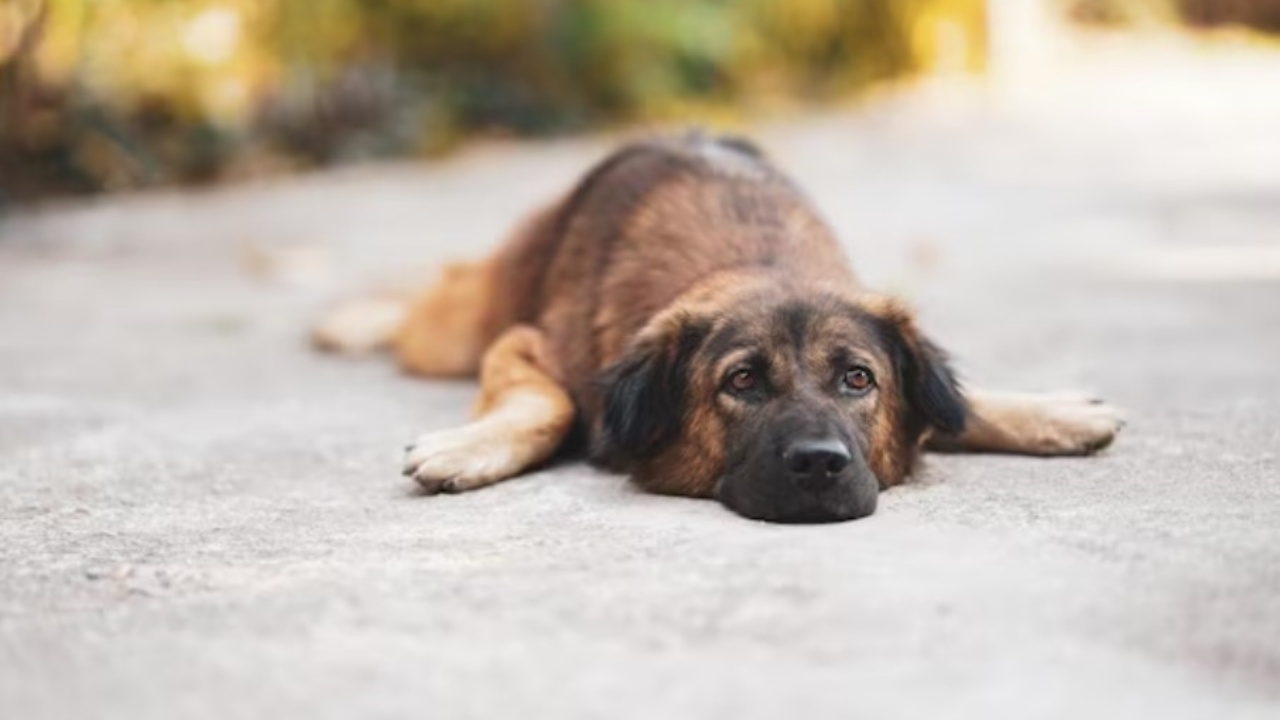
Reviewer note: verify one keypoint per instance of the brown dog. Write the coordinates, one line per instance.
(688, 313)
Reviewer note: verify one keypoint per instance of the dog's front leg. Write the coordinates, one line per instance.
(1032, 424)
(521, 418)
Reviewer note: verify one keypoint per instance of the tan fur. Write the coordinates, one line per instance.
(445, 331)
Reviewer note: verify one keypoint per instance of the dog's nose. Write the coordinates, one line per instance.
(814, 465)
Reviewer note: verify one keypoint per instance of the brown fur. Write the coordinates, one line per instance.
(663, 245)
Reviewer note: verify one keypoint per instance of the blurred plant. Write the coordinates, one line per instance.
(112, 94)
(1258, 14)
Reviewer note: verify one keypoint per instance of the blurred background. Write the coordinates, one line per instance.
(201, 518)
(109, 95)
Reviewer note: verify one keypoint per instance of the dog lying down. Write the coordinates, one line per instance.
(686, 315)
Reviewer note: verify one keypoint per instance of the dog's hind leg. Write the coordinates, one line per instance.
(445, 330)
(439, 332)
(1032, 424)
(521, 418)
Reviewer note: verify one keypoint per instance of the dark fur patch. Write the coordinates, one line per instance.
(795, 318)
(937, 391)
(644, 397)
(928, 381)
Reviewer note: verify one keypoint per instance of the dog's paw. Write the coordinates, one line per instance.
(459, 459)
(360, 325)
(1076, 424)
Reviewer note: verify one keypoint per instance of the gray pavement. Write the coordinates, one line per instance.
(200, 518)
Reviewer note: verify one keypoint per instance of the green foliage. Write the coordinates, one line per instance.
(105, 94)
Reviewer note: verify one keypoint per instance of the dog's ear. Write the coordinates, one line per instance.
(644, 393)
(937, 395)
(924, 371)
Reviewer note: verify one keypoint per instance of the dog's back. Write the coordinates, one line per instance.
(646, 224)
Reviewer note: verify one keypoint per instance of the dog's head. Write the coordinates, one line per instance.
(785, 404)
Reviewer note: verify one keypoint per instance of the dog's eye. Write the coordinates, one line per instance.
(742, 381)
(858, 380)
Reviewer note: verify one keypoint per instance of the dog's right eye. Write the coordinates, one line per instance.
(741, 381)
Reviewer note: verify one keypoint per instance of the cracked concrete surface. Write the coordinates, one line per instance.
(200, 518)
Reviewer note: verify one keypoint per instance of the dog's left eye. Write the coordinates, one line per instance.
(857, 380)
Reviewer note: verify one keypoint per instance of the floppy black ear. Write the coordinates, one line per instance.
(933, 389)
(928, 382)
(644, 396)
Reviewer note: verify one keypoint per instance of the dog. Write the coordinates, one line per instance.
(686, 316)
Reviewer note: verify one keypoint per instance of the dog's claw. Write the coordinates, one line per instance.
(454, 461)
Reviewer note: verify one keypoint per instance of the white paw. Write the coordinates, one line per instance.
(459, 459)
(359, 325)
(1077, 424)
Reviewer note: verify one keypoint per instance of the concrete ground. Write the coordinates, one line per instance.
(200, 518)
